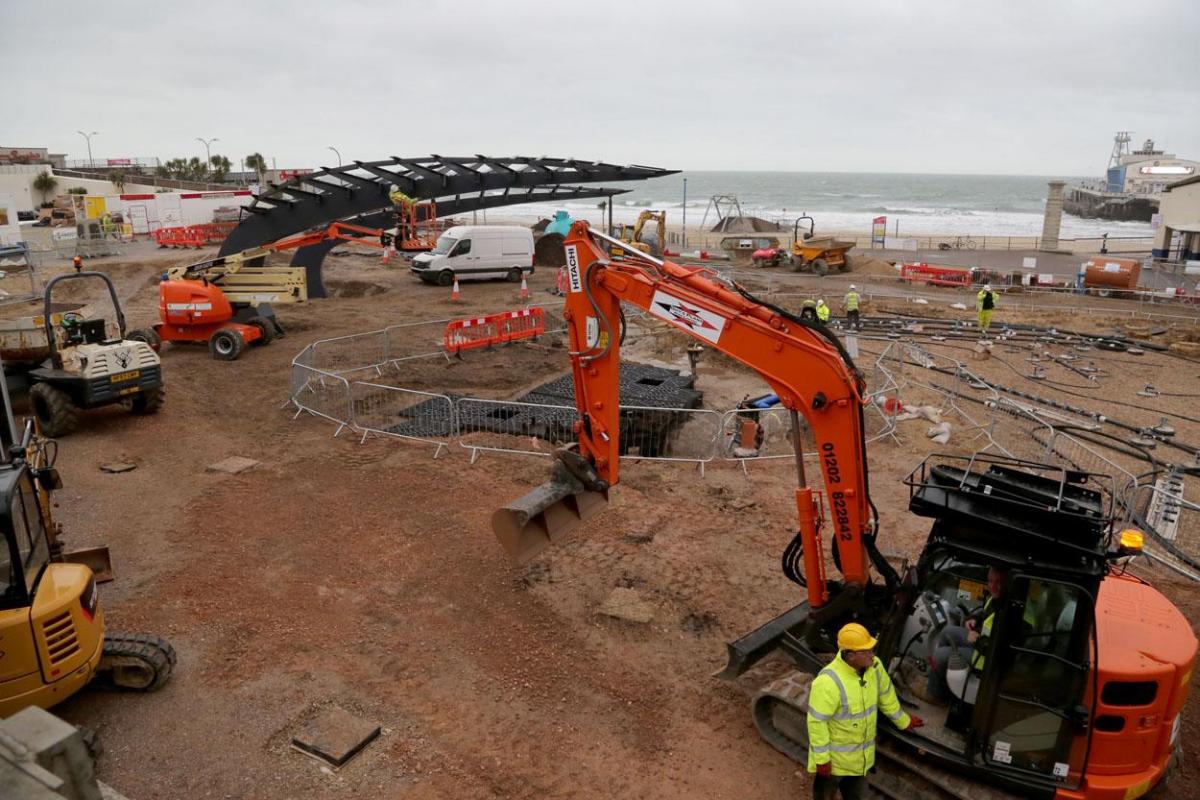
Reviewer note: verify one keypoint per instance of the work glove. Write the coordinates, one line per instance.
(915, 722)
(826, 769)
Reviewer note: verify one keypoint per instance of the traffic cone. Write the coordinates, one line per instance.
(454, 293)
(387, 256)
(524, 287)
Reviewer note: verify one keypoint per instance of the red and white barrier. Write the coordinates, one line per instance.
(507, 326)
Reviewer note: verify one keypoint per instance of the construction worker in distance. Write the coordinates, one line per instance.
(843, 706)
(850, 306)
(822, 311)
(107, 227)
(985, 304)
(808, 311)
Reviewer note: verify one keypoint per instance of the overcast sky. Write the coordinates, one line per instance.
(1013, 87)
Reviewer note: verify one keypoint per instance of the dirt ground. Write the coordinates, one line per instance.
(366, 576)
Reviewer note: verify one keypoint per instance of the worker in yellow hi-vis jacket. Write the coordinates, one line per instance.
(985, 303)
(843, 704)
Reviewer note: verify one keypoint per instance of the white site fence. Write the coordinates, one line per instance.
(344, 380)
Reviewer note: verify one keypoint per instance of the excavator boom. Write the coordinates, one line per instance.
(802, 363)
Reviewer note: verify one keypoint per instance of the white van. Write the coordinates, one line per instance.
(477, 251)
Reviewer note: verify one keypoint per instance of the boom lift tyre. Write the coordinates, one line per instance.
(1077, 691)
(226, 344)
(266, 330)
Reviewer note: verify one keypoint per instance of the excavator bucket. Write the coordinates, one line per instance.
(95, 558)
(545, 515)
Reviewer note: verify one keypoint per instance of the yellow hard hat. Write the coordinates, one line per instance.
(855, 637)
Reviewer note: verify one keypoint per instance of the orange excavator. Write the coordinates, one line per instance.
(227, 301)
(1077, 689)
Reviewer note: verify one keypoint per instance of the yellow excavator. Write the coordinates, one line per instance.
(633, 234)
(53, 640)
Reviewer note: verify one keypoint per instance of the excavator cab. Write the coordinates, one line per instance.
(1012, 693)
(1045, 692)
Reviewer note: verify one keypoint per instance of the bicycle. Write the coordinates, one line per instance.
(960, 243)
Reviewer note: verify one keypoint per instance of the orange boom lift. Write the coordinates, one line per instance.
(1077, 691)
(227, 303)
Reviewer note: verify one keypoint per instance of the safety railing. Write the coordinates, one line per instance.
(670, 434)
(504, 426)
(402, 413)
(322, 394)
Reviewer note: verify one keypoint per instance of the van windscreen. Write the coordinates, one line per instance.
(444, 243)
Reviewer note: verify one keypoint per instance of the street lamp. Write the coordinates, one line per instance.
(207, 151)
(88, 137)
(336, 153)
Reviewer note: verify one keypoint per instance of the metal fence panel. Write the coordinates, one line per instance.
(402, 413)
(349, 353)
(669, 434)
(322, 394)
(507, 426)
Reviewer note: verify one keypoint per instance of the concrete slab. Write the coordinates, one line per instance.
(335, 736)
(234, 465)
(627, 604)
(117, 467)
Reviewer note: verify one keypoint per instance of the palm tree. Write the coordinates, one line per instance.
(258, 163)
(197, 170)
(117, 178)
(45, 183)
(220, 168)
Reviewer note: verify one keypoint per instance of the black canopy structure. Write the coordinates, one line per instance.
(359, 192)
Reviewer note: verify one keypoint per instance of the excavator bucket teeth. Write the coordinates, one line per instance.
(545, 515)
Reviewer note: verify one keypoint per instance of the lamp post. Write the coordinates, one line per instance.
(336, 153)
(88, 137)
(207, 151)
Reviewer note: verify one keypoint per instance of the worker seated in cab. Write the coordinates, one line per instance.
(968, 642)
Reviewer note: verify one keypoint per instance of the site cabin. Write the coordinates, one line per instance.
(468, 252)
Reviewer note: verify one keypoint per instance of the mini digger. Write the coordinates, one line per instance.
(53, 640)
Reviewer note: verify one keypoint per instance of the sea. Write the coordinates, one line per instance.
(848, 202)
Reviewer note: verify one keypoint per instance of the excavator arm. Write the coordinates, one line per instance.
(802, 363)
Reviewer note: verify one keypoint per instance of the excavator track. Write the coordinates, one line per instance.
(137, 662)
(780, 711)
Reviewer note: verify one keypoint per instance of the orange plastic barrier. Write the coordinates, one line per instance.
(178, 237)
(508, 326)
(193, 235)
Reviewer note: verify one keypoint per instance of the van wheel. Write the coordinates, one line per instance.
(55, 412)
(445, 278)
(514, 275)
(226, 344)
